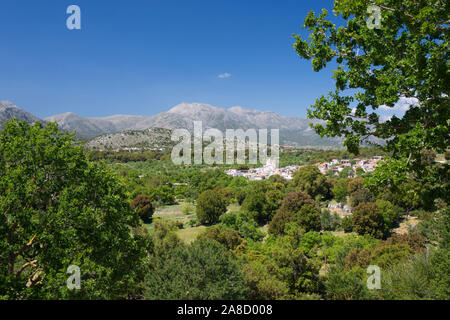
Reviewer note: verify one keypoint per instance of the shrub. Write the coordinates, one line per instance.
(367, 219)
(143, 207)
(290, 205)
(308, 218)
(309, 180)
(187, 209)
(227, 237)
(203, 270)
(347, 224)
(210, 205)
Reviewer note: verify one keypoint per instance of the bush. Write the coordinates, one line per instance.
(210, 206)
(309, 179)
(347, 224)
(308, 218)
(143, 207)
(227, 237)
(290, 205)
(367, 219)
(187, 209)
(202, 271)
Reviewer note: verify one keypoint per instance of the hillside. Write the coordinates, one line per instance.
(9, 111)
(152, 138)
(293, 130)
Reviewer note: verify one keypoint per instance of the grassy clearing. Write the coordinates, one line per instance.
(174, 212)
(234, 208)
(190, 234)
(264, 228)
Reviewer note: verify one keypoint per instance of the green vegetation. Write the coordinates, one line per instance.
(140, 227)
(210, 206)
(279, 244)
(143, 207)
(58, 209)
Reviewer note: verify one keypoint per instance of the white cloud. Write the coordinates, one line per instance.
(385, 118)
(398, 110)
(402, 105)
(224, 75)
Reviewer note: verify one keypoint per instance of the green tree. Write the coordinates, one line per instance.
(308, 217)
(226, 236)
(240, 196)
(210, 206)
(345, 172)
(143, 207)
(360, 196)
(354, 185)
(340, 190)
(347, 224)
(404, 61)
(246, 226)
(203, 270)
(345, 285)
(309, 179)
(367, 219)
(391, 214)
(291, 204)
(255, 204)
(328, 221)
(58, 209)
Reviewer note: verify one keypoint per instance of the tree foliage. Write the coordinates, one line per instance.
(203, 270)
(403, 61)
(309, 179)
(58, 209)
(210, 206)
(367, 219)
(143, 207)
(291, 204)
(308, 218)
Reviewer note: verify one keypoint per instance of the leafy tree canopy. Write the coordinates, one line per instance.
(57, 210)
(406, 59)
(211, 204)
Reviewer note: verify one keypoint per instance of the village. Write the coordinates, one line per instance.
(334, 167)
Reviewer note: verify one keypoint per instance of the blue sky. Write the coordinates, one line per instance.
(145, 56)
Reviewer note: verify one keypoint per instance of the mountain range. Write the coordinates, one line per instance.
(9, 111)
(293, 130)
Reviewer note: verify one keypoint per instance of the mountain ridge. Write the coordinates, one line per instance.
(9, 111)
(293, 130)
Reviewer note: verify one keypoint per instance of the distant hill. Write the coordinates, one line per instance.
(9, 111)
(152, 138)
(293, 131)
